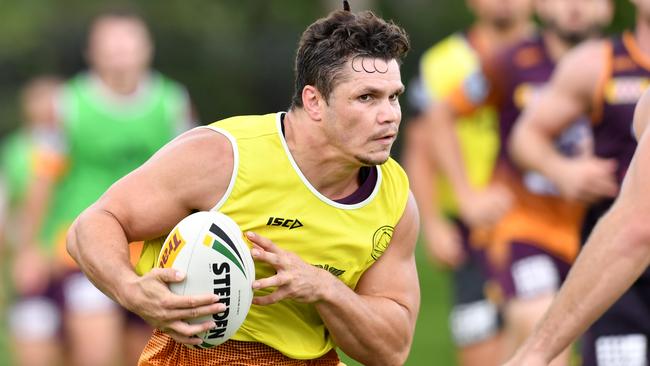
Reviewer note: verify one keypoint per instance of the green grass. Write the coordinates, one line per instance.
(432, 345)
(4, 285)
(4, 347)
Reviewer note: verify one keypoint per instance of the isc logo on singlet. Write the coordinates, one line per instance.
(288, 223)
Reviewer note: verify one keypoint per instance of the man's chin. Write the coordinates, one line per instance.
(503, 22)
(373, 160)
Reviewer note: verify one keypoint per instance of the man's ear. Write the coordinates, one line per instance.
(313, 102)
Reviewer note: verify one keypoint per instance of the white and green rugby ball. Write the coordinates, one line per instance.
(209, 247)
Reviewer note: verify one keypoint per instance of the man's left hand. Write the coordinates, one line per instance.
(294, 278)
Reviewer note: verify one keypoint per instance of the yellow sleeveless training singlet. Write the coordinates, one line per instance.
(269, 195)
(444, 67)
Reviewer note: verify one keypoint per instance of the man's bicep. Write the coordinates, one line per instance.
(641, 115)
(558, 106)
(394, 275)
(635, 190)
(571, 92)
(190, 173)
(552, 112)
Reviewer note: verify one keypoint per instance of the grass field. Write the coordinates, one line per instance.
(431, 345)
(4, 347)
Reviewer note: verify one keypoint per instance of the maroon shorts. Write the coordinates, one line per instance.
(474, 318)
(531, 272)
(621, 336)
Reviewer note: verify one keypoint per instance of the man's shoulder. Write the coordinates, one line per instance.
(161, 80)
(448, 49)
(525, 53)
(447, 64)
(394, 187)
(79, 80)
(392, 164)
(452, 41)
(591, 52)
(248, 126)
(391, 170)
(583, 66)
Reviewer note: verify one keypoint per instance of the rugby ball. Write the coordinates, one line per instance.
(210, 248)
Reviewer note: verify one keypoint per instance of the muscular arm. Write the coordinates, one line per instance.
(45, 171)
(568, 96)
(616, 254)
(445, 147)
(190, 173)
(478, 207)
(442, 239)
(373, 324)
(419, 167)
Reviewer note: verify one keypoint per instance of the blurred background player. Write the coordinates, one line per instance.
(530, 248)
(21, 157)
(603, 79)
(111, 119)
(474, 320)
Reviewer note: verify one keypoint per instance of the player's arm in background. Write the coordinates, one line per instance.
(441, 238)
(477, 207)
(569, 96)
(47, 164)
(374, 324)
(616, 254)
(146, 204)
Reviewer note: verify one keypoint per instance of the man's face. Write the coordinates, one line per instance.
(119, 46)
(502, 13)
(38, 105)
(363, 113)
(576, 20)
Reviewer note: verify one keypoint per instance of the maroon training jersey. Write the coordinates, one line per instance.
(625, 78)
(539, 215)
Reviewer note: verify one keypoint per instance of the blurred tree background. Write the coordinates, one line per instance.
(234, 57)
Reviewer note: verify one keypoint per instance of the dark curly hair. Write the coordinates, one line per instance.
(327, 44)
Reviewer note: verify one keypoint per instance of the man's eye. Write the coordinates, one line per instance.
(365, 97)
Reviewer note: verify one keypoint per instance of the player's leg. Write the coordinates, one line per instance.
(35, 329)
(474, 320)
(94, 323)
(521, 315)
(476, 333)
(136, 335)
(529, 284)
(621, 335)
